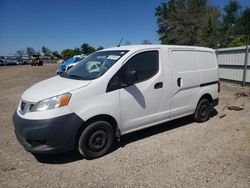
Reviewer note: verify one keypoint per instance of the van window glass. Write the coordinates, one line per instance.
(95, 65)
(146, 64)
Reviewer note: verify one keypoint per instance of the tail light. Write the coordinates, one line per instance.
(218, 86)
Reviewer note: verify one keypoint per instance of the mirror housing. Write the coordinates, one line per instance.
(130, 77)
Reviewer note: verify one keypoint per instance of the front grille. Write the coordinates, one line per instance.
(22, 105)
(31, 107)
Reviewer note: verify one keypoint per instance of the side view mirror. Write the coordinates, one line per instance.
(130, 77)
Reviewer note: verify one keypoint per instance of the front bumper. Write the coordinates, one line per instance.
(61, 69)
(49, 135)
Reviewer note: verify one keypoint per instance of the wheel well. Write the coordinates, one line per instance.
(208, 97)
(103, 117)
(69, 67)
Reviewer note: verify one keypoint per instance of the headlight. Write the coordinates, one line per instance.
(53, 102)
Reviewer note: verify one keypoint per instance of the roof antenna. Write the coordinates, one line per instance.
(120, 42)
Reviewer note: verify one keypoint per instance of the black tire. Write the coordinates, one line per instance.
(96, 140)
(202, 112)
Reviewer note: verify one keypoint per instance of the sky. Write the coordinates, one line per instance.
(60, 24)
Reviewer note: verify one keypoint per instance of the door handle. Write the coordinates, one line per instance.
(179, 82)
(158, 85)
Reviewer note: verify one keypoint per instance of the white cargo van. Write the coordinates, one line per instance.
(116, 91)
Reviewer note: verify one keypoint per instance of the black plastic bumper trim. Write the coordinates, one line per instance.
(208, 83)
(215, 102)
(49, 135)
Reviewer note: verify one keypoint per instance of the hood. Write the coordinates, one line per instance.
(70, 61)
(51, 87)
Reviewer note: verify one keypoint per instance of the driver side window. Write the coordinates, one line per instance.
(146, 65)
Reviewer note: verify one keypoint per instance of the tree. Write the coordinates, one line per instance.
(77, 51)
(87, 49)
(243, 25)
(228, 30)
(209, 32)
(99, 48)
(30, 51)
(146, 42)
(186, 22)
(67, 53)
(46, 51)
(239, 41)
(56, 54)
(196, 22)
(20, 53)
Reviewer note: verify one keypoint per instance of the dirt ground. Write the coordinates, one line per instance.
(176, 154)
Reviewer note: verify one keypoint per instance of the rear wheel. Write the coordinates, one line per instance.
(202, 112)
(96, 140)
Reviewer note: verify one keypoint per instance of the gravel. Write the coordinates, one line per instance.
(180, 153)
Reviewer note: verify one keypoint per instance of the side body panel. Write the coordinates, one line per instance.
(94, 100)
(141, 103)
(185, 81)
(198, 74)
(209, 73)
(165, 106)
(140, 106)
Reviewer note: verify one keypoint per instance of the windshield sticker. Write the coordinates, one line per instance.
(101, 57)
(113, 57)
(122, 53)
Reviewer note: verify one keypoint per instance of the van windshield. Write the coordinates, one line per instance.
(94, 65)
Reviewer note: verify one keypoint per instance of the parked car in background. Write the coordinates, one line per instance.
(22, 62)
(11, 62)
(2, 62)
(69, 63)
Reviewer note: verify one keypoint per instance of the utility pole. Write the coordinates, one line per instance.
(245, 63)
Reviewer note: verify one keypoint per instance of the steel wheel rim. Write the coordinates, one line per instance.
(97, 140)
(204, 111)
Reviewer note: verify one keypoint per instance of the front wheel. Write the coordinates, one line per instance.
(202, 112)
(96, 140)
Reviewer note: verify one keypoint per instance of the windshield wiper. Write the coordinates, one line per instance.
(74, 76)
(77, 77)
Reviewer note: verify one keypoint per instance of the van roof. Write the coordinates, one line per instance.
(149, 46)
